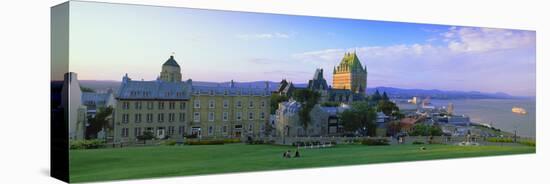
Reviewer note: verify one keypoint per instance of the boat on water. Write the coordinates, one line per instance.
(519, 110)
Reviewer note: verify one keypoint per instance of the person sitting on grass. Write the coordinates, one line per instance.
(286, 154)
(297, 154)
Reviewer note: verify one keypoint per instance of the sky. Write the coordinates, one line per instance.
(110, 40)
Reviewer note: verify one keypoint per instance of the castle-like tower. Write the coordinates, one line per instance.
(350, 74)
(171, 71)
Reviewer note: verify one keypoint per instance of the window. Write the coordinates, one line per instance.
(239, 116)
(211, 92)
(125, 118)
(225, 104)
(137, 118)
(225, 116)
(210, 116)
(182, 117)
(137, 105)
(197, 117)
(171, 105)
(250, 116)
(250, 104)
(161, 105)
(239, 105)
(250, 127)
(225, 92)
(150, 105)
(124, 132)
(171, 117)
(224, 129)
(160, 118)
(211, 104)
(149, 118)
(262, 115)
(181, 130)
(210, 130)
(182, 105)
(137, 131)
(125, 105)
(263, 104)
(171, 130)
(197, 104)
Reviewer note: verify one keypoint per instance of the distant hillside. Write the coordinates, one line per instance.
(437, 94)
(392, 92)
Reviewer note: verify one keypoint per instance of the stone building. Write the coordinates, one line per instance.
(350, 74)
(171, 108)
(324, 120)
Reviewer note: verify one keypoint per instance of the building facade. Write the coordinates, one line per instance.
(324, 120)
(171, 108)
(74, 108)
(350, 74)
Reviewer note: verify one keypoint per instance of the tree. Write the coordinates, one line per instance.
(426, 130)
(394, 127)
(275, 100)
(99, 122)
(350, 120)
(387, 107)
(360, 116)
(330, 104)
(376, 97)
(307, 99)
(385, 97)
(147, 135)
(86, 89)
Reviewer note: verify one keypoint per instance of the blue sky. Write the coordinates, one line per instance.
(109, 40)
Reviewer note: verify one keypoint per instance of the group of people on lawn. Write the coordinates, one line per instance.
(287, 154)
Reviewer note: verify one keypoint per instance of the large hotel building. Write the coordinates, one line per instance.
(170, 107)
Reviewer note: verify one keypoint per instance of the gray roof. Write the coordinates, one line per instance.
(291, 106)
(153, 90)
(91, 98)
(163, 90)
(171, 62)
(230, 90)
(318, 82)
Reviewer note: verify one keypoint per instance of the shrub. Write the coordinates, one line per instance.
(256, 142)
(298, 143)
(169, 143)
(233, 140)
(500, 140)
(418, 142)
(205, 142)
(528, 142)
(192, 136)
(86, 144)
(375, 142)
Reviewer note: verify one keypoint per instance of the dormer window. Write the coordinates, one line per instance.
(211, 92)
(225, 92)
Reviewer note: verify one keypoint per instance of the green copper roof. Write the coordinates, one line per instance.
(171, 62)
(350, 61)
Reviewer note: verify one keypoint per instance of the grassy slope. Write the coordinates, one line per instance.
(127, 163)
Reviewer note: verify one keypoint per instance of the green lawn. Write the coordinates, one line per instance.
(146, 162)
